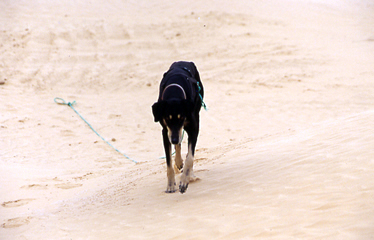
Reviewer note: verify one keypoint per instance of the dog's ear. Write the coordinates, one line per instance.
(157, 111)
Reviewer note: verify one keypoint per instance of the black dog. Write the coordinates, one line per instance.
(178, 106)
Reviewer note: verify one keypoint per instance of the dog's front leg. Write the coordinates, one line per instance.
(188, 166)
(170, 188)
(178, 162)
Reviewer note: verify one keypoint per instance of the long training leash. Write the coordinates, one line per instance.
(70, 104)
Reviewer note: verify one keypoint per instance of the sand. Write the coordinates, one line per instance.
(286, 149)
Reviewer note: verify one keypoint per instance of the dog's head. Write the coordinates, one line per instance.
(172, 115)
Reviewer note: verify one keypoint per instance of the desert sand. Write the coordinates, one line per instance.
(286, 149)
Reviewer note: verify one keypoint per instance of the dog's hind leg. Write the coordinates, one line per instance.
(178, 158)
(170, 188)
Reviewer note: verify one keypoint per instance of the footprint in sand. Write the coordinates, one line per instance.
(67, 133)
(68, 185)
(17, 203)
(35, 186)
(16, 222)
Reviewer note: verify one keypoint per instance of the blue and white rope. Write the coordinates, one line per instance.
(70, 104)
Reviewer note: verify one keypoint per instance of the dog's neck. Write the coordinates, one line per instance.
(173, 91)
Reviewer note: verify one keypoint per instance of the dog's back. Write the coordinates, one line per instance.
(186, 75)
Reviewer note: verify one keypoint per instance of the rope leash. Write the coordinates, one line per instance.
(201, 98)
(199, 89)
(70, 104)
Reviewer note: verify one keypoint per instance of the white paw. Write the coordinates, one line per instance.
(183, 183)
(171, 187)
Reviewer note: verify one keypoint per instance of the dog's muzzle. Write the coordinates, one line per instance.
(175, 137)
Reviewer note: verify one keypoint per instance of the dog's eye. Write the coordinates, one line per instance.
(179, 116)
(170, 117)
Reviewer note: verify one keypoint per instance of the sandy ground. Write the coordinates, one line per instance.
(286, 150)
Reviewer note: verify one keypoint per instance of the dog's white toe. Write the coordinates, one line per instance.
(183, 183)
(171, 188)
(183, 187)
